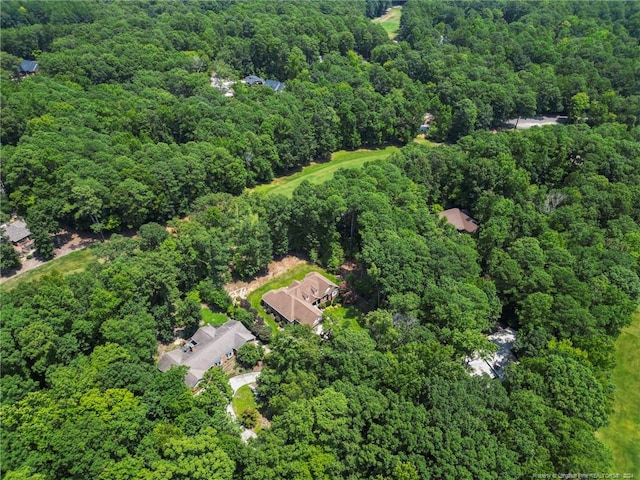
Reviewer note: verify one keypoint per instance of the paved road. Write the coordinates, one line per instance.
(524, 123)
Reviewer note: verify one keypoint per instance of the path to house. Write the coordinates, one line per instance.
(540, 121)
(275, 269)
(235, 383)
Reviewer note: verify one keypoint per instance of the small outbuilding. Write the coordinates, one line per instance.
(28, 67)
(460, 219)
(18, 232)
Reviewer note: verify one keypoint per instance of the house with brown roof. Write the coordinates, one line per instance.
(209, 347)
(299, 302)
(459, 219)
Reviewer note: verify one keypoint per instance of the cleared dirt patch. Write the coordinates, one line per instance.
(275, 269)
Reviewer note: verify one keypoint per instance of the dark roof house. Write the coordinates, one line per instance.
(275, 85)
(28, 67)
(208, 347)
(459, 219)
(253, 80)
(16, 231)
(299, 301)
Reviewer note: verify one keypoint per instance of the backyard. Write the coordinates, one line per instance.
(321, 172)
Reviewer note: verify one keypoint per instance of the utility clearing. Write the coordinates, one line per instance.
(390, 21)
(318, 173)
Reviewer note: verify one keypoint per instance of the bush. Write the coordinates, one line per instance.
(249, 355)
(249, 417)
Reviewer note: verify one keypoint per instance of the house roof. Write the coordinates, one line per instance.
(205, 349)
(275, 85)
(16, 231)
(28, 66)
(296, 302)
(254, 80)
(459, 219)
(504, 338)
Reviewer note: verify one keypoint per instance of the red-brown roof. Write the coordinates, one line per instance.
(460, 220)
(295, 303)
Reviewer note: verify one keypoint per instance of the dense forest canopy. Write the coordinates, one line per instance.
(121, 129)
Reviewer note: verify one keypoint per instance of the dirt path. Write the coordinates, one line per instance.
(275, 269)
(68, 241)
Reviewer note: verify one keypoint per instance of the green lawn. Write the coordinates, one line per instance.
(321, 172)
(72, 263)
(211, 318)
(296, 273)
(622, 434)
(341, 317)
(390, 21)
(243, 398)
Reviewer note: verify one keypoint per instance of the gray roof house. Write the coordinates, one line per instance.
(299, 301)
(208, 347)
(505, 339)
(28, 67)
(16, 231)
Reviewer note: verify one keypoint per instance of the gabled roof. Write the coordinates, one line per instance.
(254, 80)
(296, 302)
(206, 348)
(28, 66)
(460, 220)
(16, 231)
(275, 85)
(505, 339)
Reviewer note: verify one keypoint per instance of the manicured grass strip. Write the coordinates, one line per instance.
(321, 172)
(297, 273)
(213, 319)
(74, 262)
(390, 21)
(243, 399)
(622, 434)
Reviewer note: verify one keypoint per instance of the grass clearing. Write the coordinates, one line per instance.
(211, 318)
(321, 172)
(622, 434)
(74, 262)
(244, 398)
(390, 21)
(296, 273)
(341, 317)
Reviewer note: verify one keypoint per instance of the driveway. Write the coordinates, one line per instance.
(235, 383)
(245, 379)
(524, 123)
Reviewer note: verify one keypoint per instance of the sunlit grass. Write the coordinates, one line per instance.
(321, 172)
(211, 318)
(622, 434)
(74, 262)
(390, 21)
